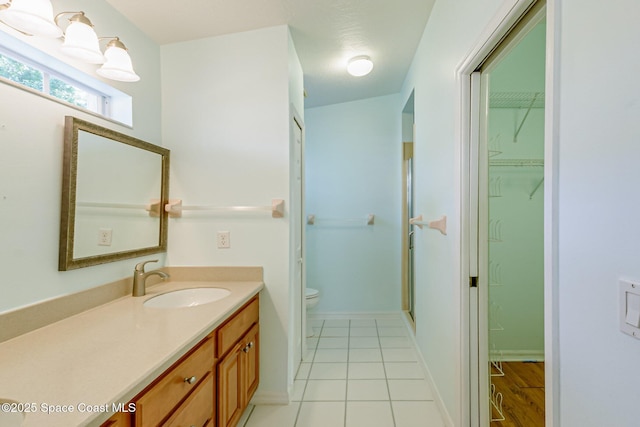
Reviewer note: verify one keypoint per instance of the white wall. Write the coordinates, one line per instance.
(599, 152)
(226, 119)
(451, 32)
(31, 144)
(353, 167)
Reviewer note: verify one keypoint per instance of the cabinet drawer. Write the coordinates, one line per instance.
(197, 410)
(172, 387)
(119, 419)
(234, 329)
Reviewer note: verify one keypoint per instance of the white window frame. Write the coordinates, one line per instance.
(107, 96)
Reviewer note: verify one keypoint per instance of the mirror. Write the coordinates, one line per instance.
(114, 189)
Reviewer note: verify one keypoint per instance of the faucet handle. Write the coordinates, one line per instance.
(140, 265)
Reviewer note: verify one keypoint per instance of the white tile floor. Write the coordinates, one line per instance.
(356, 373)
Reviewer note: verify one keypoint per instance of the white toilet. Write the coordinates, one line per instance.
(312, 297)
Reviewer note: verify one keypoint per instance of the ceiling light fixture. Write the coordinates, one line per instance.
(360, 66)
(30, 17)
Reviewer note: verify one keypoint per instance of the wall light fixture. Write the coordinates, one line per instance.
(118, 64)
(30, 17)
(80, 41)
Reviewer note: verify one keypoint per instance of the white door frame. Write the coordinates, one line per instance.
(298, 307)
(504, 20)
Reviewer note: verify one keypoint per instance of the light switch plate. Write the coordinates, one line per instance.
(630, 307)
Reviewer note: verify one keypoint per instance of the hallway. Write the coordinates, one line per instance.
(360, 372)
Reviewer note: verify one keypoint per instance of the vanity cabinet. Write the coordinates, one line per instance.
(119, 419)
(184, 390)
(210, 386)
(238, 367)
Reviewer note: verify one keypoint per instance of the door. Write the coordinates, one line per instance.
(507, 216)
(297, 212)
(408, 233)
(411, 285)
(251, 362)
(230, 386)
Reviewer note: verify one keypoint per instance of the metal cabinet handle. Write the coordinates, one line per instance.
(190, 380)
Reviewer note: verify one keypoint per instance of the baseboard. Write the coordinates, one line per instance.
(270, 398)
(427, 373)
(518, 355)
(355, 315)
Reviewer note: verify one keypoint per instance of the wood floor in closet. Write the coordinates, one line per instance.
(522, 387)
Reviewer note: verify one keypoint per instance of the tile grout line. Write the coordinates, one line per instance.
(313, 362)
(346, 391)
(386, 378)
(306, 381)
(246, 421)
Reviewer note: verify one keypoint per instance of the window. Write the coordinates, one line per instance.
(33, 76)
(37, 72)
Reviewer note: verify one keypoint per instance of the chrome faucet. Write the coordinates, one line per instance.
(140, 278)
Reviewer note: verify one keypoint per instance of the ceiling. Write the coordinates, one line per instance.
(326, 34)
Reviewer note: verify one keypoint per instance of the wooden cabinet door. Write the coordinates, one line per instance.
(251, 363)
(231, 395)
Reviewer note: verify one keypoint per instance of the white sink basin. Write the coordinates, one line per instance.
(187, 297)
(9, 417)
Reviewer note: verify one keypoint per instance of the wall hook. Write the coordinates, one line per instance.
(438, 224)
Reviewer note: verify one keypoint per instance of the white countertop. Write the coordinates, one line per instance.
(106, 355)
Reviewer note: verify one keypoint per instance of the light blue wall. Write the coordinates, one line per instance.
(353, 165)
(31, 145)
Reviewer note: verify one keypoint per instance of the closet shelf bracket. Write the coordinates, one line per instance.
(535, 190)
(524, 119)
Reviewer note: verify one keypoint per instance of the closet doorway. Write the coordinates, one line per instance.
(510, 88)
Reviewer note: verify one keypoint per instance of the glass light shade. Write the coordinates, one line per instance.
(118, 65)
(81, 42)
(34, 17)
(360, 66)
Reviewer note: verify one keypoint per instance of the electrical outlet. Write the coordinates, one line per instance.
(104, 237)
(224, 239)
